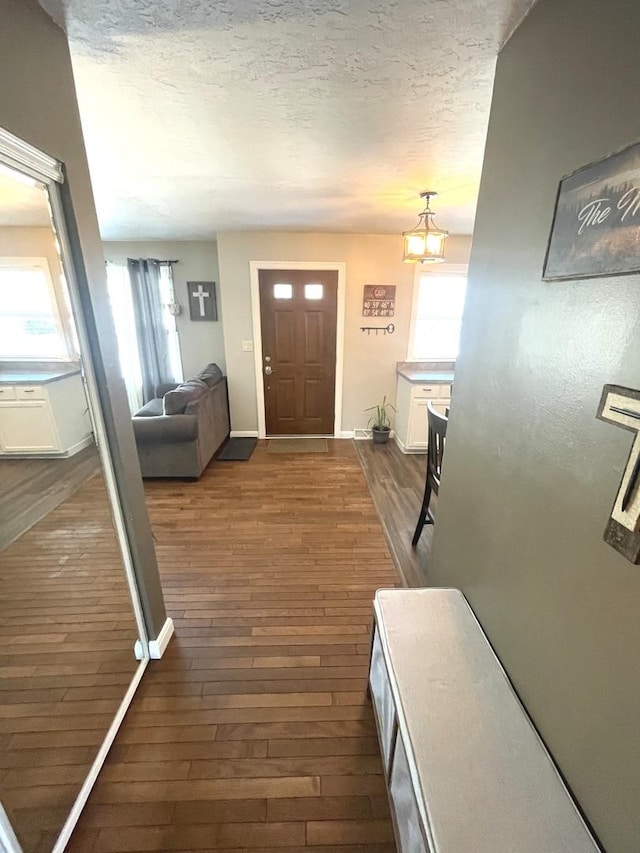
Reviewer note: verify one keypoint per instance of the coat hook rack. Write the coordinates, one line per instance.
(384, 329)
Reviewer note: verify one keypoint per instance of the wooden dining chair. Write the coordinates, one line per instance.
(435, 451)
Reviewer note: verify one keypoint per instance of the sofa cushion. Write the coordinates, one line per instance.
(152, 409)
(166, 429)
(211, 375)
(175, 402)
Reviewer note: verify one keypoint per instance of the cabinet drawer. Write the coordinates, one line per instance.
(429, 392)
(30, 392)
(7, 392)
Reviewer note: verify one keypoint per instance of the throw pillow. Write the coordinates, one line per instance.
(176, 401)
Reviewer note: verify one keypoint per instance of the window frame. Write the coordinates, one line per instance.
(28, 262)
(436, 269)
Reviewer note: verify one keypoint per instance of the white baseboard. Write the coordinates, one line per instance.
(347, 433)
(76, 448)
(409, 450)
(157, 647)
(366, 434)
(244, 433)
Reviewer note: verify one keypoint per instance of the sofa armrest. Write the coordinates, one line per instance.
(163, 387)
(166, 429)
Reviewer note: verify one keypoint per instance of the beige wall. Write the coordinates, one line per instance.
(32, 242)
(38, 104)
(530, 475)
(200, 342)
(369, 360)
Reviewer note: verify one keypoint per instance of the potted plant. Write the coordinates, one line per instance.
(380, 421)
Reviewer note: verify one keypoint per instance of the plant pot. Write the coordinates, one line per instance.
(380, 435)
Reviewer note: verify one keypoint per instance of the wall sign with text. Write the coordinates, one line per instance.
(596, 225)
(202, 300)
(379, 300)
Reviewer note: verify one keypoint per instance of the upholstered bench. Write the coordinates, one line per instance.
(466, 770)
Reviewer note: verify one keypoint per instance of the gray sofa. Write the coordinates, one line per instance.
(178, 432)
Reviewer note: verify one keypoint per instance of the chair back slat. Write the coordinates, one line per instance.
(435, 448)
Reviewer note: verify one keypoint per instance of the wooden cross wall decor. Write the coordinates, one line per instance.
(621, 406)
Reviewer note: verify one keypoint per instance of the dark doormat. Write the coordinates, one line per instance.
(297, 445)
(237, 450)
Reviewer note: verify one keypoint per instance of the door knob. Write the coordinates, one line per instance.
(268, 370)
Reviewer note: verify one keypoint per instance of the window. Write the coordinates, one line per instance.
(30, 322)
(437, 313)
(168, 299)
(125, 324)
(283, 291)
(313, 291)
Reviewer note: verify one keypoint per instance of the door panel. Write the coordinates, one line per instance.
(298, 311)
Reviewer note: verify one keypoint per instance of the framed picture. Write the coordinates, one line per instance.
(596, 222)
(202, 300)
(379, 300)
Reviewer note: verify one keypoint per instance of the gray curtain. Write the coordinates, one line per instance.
(152, 336)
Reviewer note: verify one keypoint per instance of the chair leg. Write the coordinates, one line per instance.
(421, 520)
(424, 514)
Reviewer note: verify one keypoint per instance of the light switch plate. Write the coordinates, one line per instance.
(247, 346)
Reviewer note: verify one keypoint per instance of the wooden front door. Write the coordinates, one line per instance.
(298, 312)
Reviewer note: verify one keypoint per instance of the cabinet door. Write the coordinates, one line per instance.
(27, 427)
(402, 789)
(418, 424)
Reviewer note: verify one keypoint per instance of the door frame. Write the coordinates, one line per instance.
(336, 266)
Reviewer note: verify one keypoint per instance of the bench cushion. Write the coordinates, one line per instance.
(487, 783)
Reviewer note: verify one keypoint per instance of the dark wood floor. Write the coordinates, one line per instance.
(396, 481)
(254, 732)
(31, 488)
(66, 637)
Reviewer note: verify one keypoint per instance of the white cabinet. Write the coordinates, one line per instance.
(27, 427)
(411, 417)
(44, 420)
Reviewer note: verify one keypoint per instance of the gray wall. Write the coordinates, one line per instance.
(38, 104)
(369, 360)
(200, 342)
(530, 475)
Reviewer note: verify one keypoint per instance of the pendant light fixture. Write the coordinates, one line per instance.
(425, 243)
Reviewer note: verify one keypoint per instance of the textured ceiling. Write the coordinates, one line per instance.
(209, 115)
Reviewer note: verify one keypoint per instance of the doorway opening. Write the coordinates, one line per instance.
(298, 332)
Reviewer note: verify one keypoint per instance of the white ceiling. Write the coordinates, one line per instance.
(208, 115)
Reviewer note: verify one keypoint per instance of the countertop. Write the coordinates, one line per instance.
(417, 373)
(37, 376)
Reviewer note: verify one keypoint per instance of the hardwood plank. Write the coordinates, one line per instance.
(67, 625)
(396, 481)
(269, 569)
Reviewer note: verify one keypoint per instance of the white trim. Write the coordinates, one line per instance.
(438, 269)
(26, 158)
(79, 445)
(158, 646)
(337, 266)
(92, 775)
(409, 451)
(49, 172)
(347, 433)
(243, 433)
(95, 408)
(8, 841)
